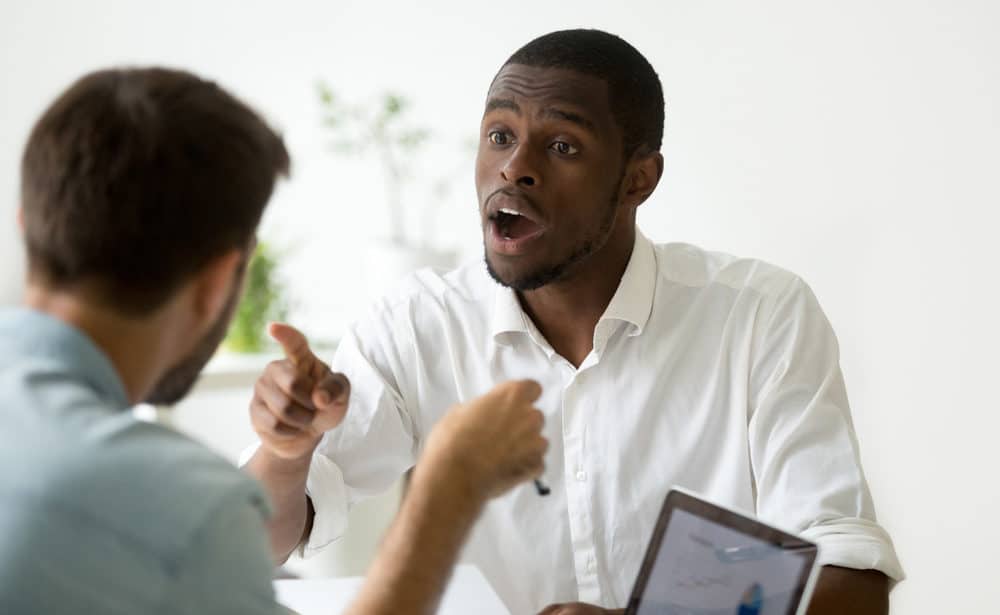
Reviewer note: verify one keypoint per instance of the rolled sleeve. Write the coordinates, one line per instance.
(328, 493)
(325, 487)
(803, 447)
(856, 543)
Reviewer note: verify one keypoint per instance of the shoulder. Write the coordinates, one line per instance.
(467, 284)
(691, 266)
(155, 486)
(428, 299)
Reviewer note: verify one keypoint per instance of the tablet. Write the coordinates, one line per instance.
(705, 559)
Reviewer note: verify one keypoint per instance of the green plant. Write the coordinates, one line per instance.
(263, 301)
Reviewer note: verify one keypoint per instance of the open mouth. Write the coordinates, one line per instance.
(510, 225)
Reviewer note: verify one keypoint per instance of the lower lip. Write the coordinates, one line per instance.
(510, 247)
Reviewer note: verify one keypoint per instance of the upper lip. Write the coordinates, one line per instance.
(506, 201)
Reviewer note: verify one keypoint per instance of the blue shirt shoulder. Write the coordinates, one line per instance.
(100, 512)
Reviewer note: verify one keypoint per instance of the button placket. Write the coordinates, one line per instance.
(578, 494)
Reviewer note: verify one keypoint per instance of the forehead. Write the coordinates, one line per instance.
(533, 86)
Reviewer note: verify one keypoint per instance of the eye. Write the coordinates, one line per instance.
(498, 137)
(564, 148)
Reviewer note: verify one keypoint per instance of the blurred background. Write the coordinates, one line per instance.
(853, 142)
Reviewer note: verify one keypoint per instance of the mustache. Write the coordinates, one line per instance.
(529, 203)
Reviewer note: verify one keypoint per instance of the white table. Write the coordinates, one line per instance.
(469, 592)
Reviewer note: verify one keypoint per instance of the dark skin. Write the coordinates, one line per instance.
(550, 148)
(549, 144)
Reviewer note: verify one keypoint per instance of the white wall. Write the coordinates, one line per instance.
(854, 142)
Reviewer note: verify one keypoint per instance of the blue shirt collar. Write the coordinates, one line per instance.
(26, 333)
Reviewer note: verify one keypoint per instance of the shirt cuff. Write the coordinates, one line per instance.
(325, 487)
(856, 543)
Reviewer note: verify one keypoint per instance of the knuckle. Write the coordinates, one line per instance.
(263, 421)
(302, 387)
(276, 368)
(284, 406)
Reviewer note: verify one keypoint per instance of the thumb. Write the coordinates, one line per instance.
(333, 390)
(294, 344)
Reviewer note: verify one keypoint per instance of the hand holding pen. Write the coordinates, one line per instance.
(493, 442)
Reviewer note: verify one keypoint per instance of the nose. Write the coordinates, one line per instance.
(521, 169)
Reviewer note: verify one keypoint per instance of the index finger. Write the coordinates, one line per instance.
(294, 344)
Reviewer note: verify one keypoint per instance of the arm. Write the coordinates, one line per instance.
(804, 452)
(478, 451)
(843, 590)
(285, 481)
(415, 560)
(296, 400)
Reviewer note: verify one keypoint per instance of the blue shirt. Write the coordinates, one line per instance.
(101, 513)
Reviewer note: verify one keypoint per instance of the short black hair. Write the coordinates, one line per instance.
(133, 179)
(634, 89)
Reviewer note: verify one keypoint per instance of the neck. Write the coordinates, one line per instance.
(566, 312)
(133, 344)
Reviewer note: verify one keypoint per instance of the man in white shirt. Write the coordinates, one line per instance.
(661, 364)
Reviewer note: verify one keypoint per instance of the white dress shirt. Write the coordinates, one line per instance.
(711, 372)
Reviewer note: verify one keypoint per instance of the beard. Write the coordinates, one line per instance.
(179, 379)
(584, 249)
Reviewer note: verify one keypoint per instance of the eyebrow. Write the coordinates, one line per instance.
(503, 103)
(508, 104)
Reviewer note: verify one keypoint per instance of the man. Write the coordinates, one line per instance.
(142, 190)
(662, 364)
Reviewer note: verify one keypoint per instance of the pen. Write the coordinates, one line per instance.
(542, 488)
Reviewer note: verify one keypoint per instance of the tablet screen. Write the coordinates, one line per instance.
(703, 567)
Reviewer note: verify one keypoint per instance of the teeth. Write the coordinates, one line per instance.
(509, 212)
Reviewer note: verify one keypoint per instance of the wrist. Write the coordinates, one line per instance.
(445, 480)
(283, 465)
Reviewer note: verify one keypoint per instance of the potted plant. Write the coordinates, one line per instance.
(263, 300)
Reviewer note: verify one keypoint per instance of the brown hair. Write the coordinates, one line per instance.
(133, 179)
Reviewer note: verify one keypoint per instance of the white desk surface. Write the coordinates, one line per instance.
(468, 592)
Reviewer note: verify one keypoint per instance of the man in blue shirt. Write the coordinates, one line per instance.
(141, 193)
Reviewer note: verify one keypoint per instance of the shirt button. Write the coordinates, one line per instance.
(581, 476)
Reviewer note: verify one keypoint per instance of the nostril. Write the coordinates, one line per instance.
(527, 181)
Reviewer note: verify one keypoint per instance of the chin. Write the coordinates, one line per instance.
(523, 278)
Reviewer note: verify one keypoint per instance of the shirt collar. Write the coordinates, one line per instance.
(31, 334)
(632, 303)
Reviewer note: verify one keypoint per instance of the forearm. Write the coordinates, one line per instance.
(844, 590)
(415, 560)
(285, 481)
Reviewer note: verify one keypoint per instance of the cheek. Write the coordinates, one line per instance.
(481, 175)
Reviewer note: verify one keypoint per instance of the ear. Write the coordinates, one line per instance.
(213, 284)
(642, 175)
